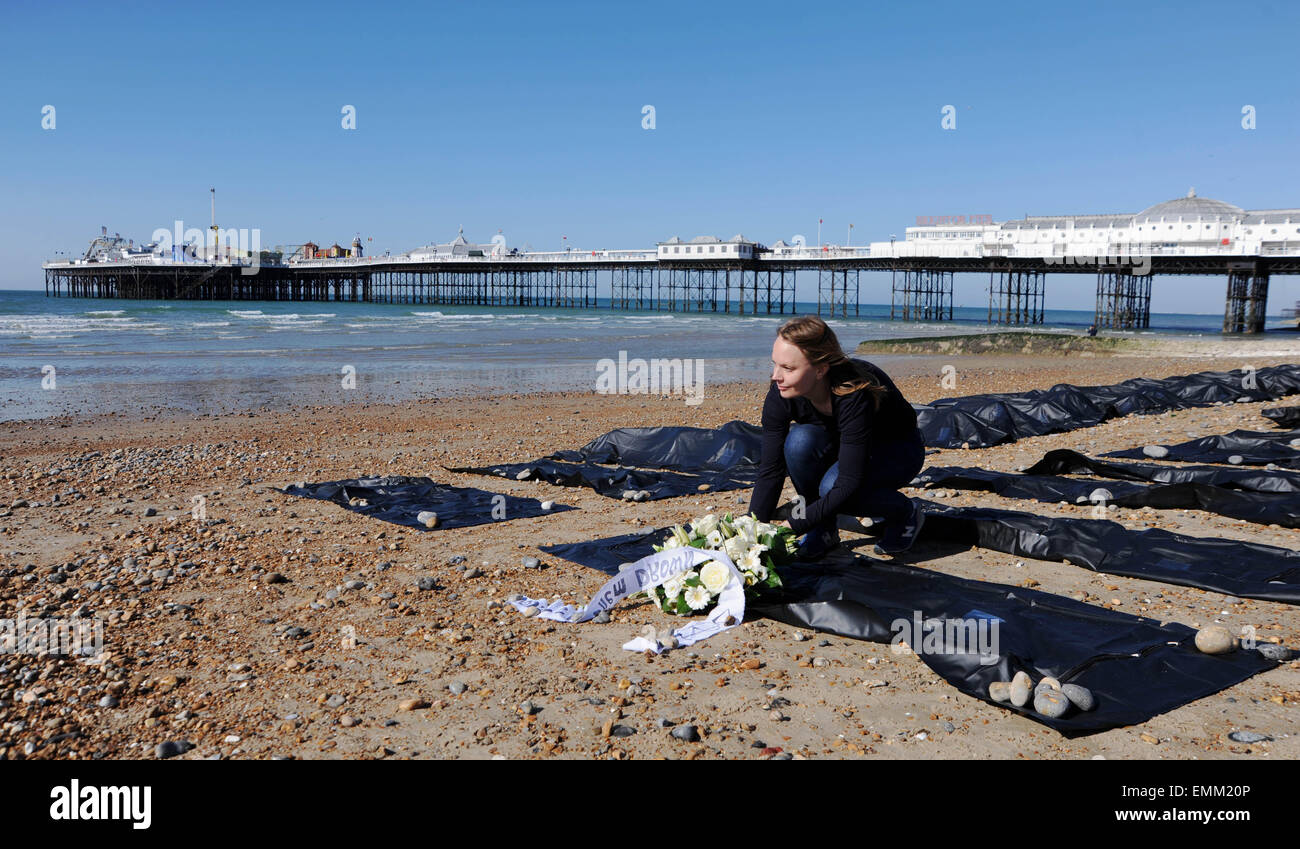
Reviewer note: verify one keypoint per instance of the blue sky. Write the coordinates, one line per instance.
(526, 118)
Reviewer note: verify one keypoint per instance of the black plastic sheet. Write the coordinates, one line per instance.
(612, 481)
(1256, 448)
(1262, 508)
(1234, 567)
(992, 419)
(400, 499)
(1135, 667)
(1283, 416)
(1063, 461)
(729, 448)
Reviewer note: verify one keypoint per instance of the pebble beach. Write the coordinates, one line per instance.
(282, 627)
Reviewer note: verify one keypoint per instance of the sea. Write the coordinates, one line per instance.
(79, 356)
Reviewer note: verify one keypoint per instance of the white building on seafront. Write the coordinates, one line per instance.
(1185, 226)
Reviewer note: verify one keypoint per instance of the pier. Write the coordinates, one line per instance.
(1124, 253)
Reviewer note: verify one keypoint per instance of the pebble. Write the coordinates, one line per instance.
(1021, 689)
(355, 585)
(524, 475)
(548, 505)
(688, 733)
(473, 572)
(172, 748)
(601, 618)
(1248, 737)
(530, 611)
(427, 518)
(1215, 639)
(459, 558)
(1051, 703)
(412, 704)
(347, 721)
(1000, 691)
(532, 563)
(334, 701)
(456, 687)
(1236, 460)
(1079, 696)
(622, 731)
(1048, 683)
(108, 702)
(1273, 651)
(1157, 452)
(949, 727)
(426, 584)
(527, 708)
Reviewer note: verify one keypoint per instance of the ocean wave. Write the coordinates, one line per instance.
(210, 324)
(247, 313)
(104, 312)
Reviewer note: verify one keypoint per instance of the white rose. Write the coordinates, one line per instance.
(673, 586)
(714, 576)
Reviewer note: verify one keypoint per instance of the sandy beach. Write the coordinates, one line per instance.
(212, 636)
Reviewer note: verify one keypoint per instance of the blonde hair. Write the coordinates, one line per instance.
(821, 346)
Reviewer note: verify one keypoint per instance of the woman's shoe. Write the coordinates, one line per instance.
(899, 538)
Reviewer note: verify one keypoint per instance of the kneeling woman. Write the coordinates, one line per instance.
(844, 434)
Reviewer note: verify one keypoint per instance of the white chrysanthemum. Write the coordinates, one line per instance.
(705, 525)
(673, 586)
(714, 576)
(697, 598)
(715, 539)
(735, 548)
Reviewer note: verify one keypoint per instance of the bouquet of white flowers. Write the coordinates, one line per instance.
(757, 549)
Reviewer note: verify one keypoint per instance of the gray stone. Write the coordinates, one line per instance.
(1248, 737)
(687, 733)
(1051, 703)
(527, 708)
(172, 748)
(1157, 452)
(1021, 689)
(108, 702)
(149, 511)
(1048, 683)
(622, 731)
(426, 584)
(1215, 639)
(601, 618)
(1236, 460)
(1000, 691)
(456, 687)
(355, 585)
(1273, 651)
(335, 701)
(548, 505)
(1079, 696)
(532, 563)
(530, 611)
(273, 578)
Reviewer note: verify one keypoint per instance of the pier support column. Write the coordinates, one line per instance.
(1016, 297)
(1247, 299)
(833, 288)
(1123, 299)
(921, 295)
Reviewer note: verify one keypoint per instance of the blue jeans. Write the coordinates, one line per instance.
(814, 471)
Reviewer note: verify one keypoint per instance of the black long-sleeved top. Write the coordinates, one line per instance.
(854, 426)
